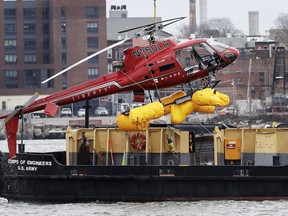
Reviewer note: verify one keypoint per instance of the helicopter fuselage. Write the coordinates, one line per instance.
(155, 66)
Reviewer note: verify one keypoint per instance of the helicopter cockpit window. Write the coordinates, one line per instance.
(197, 57)
(184, 58)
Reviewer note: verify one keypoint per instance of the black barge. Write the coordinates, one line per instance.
(163, 163)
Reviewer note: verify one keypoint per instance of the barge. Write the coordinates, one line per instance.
(187, 162)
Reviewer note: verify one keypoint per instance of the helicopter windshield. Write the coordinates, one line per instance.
(217, 46)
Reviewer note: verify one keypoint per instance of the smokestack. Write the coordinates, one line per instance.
(203, 12)
(192, 16)
(254, 23)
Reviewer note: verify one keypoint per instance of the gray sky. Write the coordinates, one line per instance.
(235, 10)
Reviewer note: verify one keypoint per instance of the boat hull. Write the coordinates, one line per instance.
(40, 178)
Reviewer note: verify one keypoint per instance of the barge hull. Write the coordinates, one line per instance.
(61, 183)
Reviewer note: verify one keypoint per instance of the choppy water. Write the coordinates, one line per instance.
(196, 208)
(199, 208)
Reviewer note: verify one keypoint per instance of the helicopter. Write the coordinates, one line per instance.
(157, 65)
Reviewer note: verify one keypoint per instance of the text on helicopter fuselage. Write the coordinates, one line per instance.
(156, 47)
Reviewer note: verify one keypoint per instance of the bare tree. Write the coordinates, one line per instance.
(281, 32)
(281, 21)
(183, 31)
(217, 27)
(222, 25)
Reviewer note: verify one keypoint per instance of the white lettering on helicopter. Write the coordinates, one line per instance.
(101, 89)
(144, 51)
(90, 93)
(170, 76)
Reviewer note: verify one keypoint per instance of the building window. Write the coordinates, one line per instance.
(118, 54)
(238, 77)
(93, 73)
(45, 74)
(63, 28)
(64, 81)
(91, 12)
(46, 28)
(10, 13)
(92, 42)
(46, 43)
(29, 12)
(261, 77)
(238, 80)
(63, 44)
(29, 28)
(109, 54)
(94, 60)
(45, 13)
(11, 79)
(10, 28)
(29, 44)
(11, 58)
(30, 58)
(110, 68)
(31, 79)
(63, 13)
(92, 27)
(3, 105)
(64, 59)
(46, 58)
(10, 44)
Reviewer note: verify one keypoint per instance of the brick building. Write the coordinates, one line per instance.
(42, 37)
(258, 74)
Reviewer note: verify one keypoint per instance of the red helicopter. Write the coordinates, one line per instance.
(158, 65)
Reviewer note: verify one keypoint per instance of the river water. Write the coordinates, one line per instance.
(195, 208)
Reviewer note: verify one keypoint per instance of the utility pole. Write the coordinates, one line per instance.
(249, 86)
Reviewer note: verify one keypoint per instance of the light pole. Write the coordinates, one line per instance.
(233, 94)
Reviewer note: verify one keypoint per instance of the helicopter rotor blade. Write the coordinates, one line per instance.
(34, 97)
(153, 24)
(180, 18)
(11, 115)
(21, 107)
(86, 59)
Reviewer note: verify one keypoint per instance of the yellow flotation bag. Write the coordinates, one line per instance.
(179, 112)
(125, 124)
(146, 113)
(167, 101)
(210, 97)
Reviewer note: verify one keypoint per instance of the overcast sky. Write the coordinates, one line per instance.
(235, 10)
